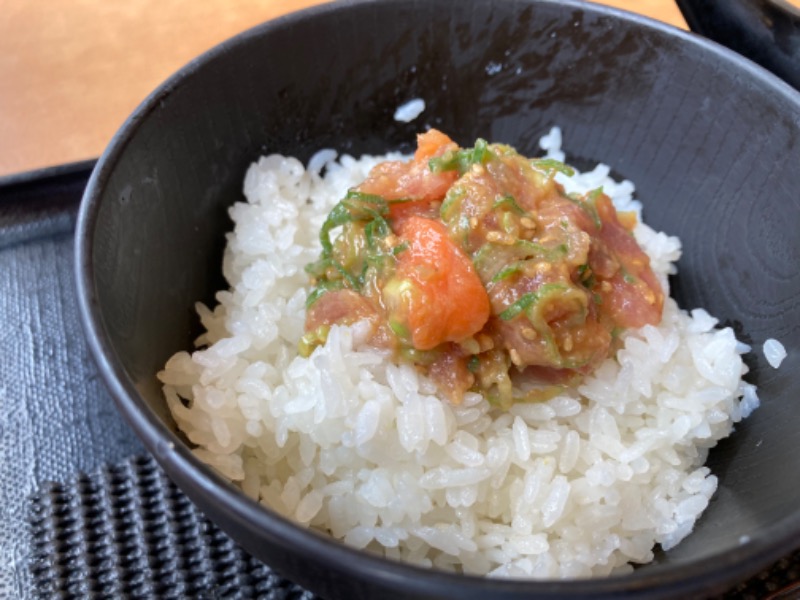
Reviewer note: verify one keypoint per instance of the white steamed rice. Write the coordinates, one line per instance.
(774, 352)
(348, 443)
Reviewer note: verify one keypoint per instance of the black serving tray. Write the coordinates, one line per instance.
(84, 511)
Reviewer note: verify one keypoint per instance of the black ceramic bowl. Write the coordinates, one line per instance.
(711, 141)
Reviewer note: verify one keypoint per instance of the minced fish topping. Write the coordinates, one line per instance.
(475, 265)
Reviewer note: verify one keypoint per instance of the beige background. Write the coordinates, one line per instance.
(72, 70)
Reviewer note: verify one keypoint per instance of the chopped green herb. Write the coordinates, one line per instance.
(356, 206)
(587, 205)
(508, 201)
(454, 194)
(338, 216)
(551, 166)
(346, 275)
(461, 160)
(594, 194)
(402, 247)
(530, 299)
(535, 250)
(590, 206)
(377, 228)
(509, 223)
(491, 258)
(510, 270)
(322, 288)
(398, 329)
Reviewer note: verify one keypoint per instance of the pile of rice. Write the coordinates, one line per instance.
(348, 443)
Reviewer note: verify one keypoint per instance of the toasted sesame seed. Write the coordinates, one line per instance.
(498, 237)
(537, 268)
(515, 357)
(493, 236)
(568, 343)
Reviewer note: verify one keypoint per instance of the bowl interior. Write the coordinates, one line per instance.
(710, 141)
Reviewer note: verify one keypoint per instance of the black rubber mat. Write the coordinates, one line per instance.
(127, 532)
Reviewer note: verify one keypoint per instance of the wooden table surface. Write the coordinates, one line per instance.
(71, 71)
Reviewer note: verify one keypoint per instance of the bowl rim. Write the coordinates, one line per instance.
(175, 458)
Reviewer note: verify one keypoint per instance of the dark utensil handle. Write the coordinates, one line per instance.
(765, 31)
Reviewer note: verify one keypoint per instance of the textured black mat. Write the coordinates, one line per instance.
(127, 532)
